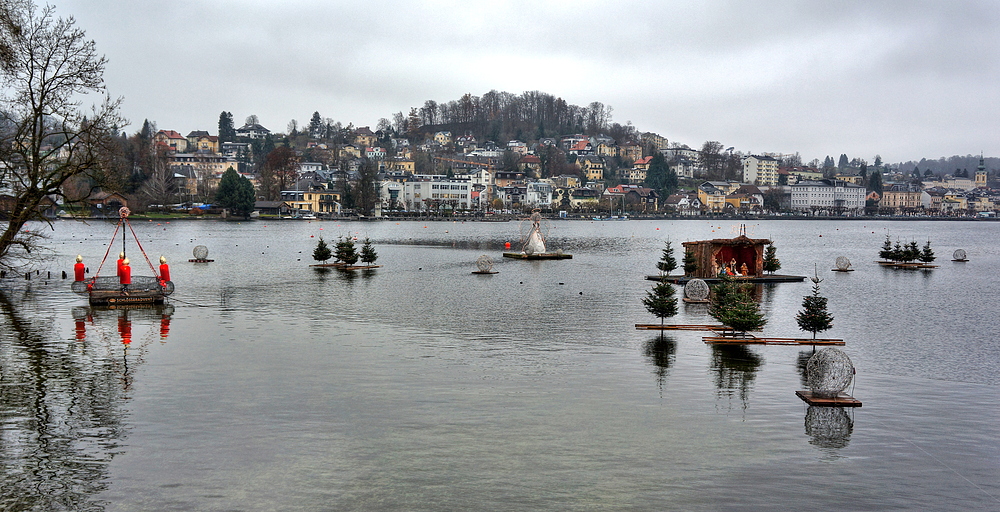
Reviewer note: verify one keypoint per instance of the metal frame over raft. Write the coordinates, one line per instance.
(141, 290)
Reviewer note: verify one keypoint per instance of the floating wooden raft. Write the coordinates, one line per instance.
(668, 327)
(752, 340)
(540, 256)
(841, 400)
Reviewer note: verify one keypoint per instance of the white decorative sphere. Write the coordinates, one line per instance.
(959, 254)
(843, 263)
(829, 372)
(200, 252)
(696, 289)
(484, 263)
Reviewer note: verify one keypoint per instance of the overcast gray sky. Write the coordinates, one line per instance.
(904, 79)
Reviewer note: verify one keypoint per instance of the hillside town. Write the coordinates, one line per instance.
(327, 170)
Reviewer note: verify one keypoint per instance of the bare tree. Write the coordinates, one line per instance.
(159, 187)
(712, 159)
(46, 141)
(280, 170)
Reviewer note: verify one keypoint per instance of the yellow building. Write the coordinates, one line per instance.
(443, 138)
(363, 137)
(901, 198)
(401, 165)
(592, 167)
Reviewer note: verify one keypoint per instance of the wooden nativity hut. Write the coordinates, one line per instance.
(740, 256)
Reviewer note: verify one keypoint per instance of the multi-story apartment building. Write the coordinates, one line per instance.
(827, 194)
(760, 170)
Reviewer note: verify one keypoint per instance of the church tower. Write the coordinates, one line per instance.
(981, 173)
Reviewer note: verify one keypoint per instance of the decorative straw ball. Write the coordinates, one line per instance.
(200, 252)
(843, 263)
(696, 289)
(484, 263)
(829, 372)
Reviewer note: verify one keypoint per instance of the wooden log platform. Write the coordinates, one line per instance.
(693, 301)
(200, 261)
(329, 265)
(841, 400)
(776, 278)
(676, 327)
(359, 267)
(753, 340)
(905, 266)
(485, 272)
(540, 256)
(843, 270)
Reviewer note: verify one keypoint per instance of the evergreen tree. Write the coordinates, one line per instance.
(316, 126)
(322, 251)
(734, 306)
(927, 254)
(660, 300)
(690, 263)
(814, 317)
(667, 262)
(227, 131)
(368, 254)
(875, 183)
(886, 252)
(771, 261)
(911, 252)
(235, 193)
(660, 177)
(897, 252)
(843, 162)
(346, 252)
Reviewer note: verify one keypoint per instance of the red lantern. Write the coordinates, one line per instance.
(79, 270)
(125, 273)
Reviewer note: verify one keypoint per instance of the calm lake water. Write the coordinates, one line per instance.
(270, 385)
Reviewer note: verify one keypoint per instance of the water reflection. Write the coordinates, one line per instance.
(801, 363)
(154, 324)
(735, 369)
(60, 411)
(829, 427)
(661, 351)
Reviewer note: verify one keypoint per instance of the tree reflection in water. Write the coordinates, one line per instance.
(801, 363)
(61, 414)
(735, 368)
(661, 351)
